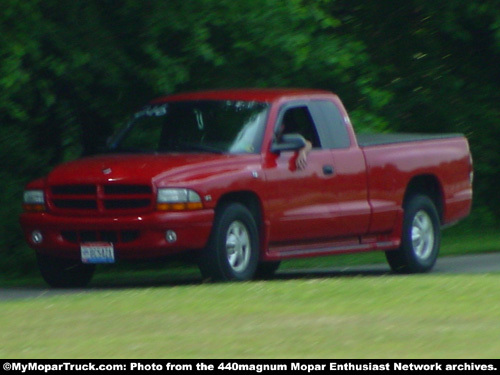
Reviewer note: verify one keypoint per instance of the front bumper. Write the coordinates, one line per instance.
(134, 237)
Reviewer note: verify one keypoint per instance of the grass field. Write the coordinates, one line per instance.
(432, 316)
(459, 240)
(386, 316)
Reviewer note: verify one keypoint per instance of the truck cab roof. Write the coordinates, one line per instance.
(250, 94)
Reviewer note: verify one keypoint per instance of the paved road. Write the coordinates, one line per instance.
(470, 264)
(466, 264)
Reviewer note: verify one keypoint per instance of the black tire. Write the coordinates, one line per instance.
(64, 273)
(421, 238)
(233, 249)
(266, 270)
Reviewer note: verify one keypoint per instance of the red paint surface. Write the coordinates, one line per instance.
(304, 213)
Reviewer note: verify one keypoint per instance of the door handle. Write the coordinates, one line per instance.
(328, 169)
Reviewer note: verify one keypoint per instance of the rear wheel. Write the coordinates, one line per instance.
(233, 249)
(420, 240)
(64, 273)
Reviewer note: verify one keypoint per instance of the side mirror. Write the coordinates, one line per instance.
(288, 142)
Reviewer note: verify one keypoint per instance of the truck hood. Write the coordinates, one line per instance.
(145, 168)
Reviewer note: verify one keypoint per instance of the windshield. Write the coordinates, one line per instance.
(209, 126)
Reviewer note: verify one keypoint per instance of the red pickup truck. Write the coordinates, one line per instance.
(214, 175)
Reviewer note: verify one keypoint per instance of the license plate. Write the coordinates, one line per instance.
(97, 252)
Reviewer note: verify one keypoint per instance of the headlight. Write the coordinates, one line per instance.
(34, 200)
(178, 200)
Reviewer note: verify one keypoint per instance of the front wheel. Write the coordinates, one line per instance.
(64, 273)
(233, 249)
(421, 238)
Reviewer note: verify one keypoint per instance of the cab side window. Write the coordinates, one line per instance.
(299, 120)
(331, 123)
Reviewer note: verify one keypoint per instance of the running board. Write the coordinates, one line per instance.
(310, 250)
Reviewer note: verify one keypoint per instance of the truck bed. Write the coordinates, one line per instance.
(366, 140)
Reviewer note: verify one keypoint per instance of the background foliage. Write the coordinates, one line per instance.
(71, 70)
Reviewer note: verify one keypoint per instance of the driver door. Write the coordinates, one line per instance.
(301, 203)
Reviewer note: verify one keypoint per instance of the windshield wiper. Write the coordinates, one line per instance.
(187, 146)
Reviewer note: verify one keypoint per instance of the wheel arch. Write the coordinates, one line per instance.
(252, 202)
(430, 186)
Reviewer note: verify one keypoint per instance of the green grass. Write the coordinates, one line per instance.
(459, 240)
(431, 316)
(169, 314)
(462, 240)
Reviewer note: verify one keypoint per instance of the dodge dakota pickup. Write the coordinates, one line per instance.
(214, 175)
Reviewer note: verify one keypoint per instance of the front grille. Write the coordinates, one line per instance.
(78, 204)
(122, 236)
(101, 198)
(74, 190)
(123, 204)
(126, 189)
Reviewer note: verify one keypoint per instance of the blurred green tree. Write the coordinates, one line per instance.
(70, 71)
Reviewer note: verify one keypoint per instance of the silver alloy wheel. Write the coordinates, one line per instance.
(422, 235)
(238, 246)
